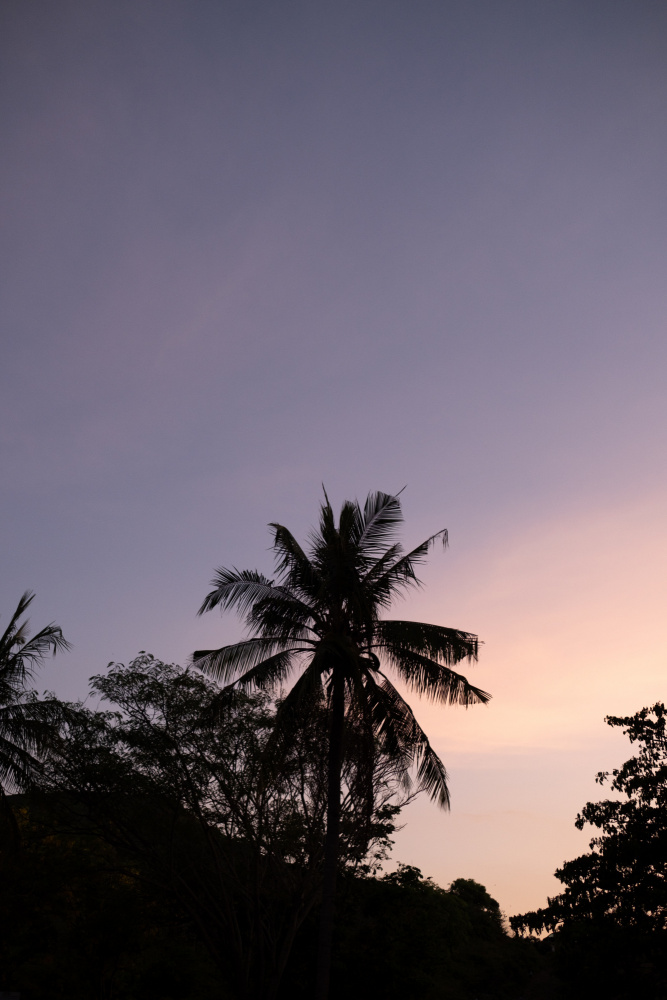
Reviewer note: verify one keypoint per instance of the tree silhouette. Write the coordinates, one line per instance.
(26, 723)
(609, 922)
(322, 616)
(621, 881)
(192, 798)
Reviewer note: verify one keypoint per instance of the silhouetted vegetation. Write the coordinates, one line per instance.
(27, 724)
(401, 937)
(321, 616)
(76, 924)
(182, 842)
(200, 797)
(609, 925)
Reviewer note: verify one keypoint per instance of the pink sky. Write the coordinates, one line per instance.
(252, 247)
(572, 614)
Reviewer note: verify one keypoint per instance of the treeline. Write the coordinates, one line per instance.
(172, 847)
(76, 923)
(212, 831)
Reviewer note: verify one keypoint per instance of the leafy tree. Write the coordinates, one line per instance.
(402, 937)
(322, 615)
(476, 896)
(198, 800)
(624, 877)
(610, 922)
(27, 724)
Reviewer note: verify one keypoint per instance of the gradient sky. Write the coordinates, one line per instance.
(250, 247)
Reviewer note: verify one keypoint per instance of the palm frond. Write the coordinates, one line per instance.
(282, 614)
(19, 716)
(326, 532)
(348, 525)
(295, 710)
(17, 766)
(50, 639)
(400, 735)
(258, 599)
(238, 589)
(380, 566)
(21, 655)
(379, 523)
(306, 692)
(432, 775)
(28, 725)
(28, 729)
(293, 565)
(12, 633)
(362, 752)
(432, 679)
(224, 663)
(401, 574)
(446, 645)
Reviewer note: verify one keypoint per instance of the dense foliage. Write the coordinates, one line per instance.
(401, 937)
(174, 850)
(199, 796)
(74, 926)
(610, 921)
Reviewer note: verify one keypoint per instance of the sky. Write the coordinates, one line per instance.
(249, 248)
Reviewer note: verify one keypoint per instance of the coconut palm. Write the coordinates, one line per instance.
(321, 615)
(26, 723)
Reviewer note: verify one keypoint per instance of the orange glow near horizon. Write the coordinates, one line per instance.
(571, 614)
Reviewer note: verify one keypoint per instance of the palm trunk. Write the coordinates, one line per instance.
(331, 840)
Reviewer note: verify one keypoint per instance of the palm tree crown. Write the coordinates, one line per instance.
(322, 613)
(26, 723)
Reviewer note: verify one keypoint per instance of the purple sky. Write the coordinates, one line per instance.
(251, 247)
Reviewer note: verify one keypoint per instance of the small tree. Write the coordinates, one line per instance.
(622, 882)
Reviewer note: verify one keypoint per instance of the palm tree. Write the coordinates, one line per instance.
(26, 723)
(322, 615)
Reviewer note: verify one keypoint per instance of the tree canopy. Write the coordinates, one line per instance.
(623, 879)
(196, 797)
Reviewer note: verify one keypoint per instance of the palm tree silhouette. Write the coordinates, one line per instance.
(322, 614)
(26, 723)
